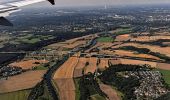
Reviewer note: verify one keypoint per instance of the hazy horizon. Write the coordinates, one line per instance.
(66, 3)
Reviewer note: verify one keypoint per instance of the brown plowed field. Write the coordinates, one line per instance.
(23, 81)
(28, 64)
(103, 63)
(92, 65)
(79, 67)
(112, 95)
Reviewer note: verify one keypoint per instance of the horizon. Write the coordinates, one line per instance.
(78, 3)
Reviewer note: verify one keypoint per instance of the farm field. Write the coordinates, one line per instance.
(80, 66)
(149, 38)
(97, 97)
(22, 81)
(103, 63)
(161, 50)
(71, 44)
(18, 95)
(100, 45)
(163, 66)
(28, 64)
(105, 39)
(123, 31)
(91, 67)
(75, 44)
(133, 54)
(108, 90)
(166, 75)
(67, 69)
(138, 62)
(63, 78)
(124, 37)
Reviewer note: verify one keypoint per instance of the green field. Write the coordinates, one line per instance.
(46, 95)
(97, 97)
(119, 93)
(166, 75)
(41, 67)
(105, 39)
(123, 31)
(18, 95)
(31, 39)
(76, 81)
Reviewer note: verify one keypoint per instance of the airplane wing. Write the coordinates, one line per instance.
(8, 8)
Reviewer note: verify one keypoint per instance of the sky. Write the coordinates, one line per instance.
(101, 2)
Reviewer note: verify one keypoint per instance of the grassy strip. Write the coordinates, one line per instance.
(119, 93)
(105, 39)
(41, 68)
(18, 95)
(166, 75)
(97, 97)
(76, 82)
(124, 31)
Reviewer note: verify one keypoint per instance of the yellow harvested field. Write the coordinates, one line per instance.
(101, 45)
(105, 45)
(164, 66)
(87, 37)
(137, 62)
(108, 90)
(103, 63)
(63, 78)
(72, 43)
(76, 44)
(67, 69)
(132, 54)
(124, 37)
(80, 66)
(162, 33)
(115, 61)
(22, 81)
(153, 48)
(28, 64)
(149, 38)
(92, 65)
(66, 88)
